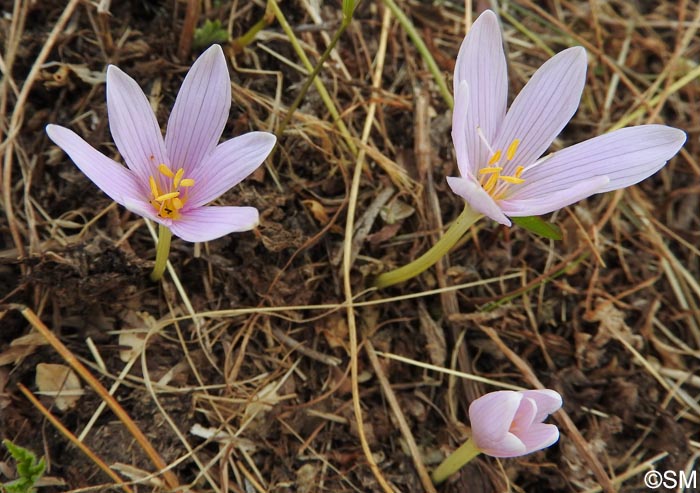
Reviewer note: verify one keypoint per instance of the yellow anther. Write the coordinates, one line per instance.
(512, 149)
(154, 187)
(491, 182)
(486, 171)
(495, 158)
(519, 171)
(177, 203)
(167, 196)
(512, 179)
(165, 170)
(187, 182)
(178, 177)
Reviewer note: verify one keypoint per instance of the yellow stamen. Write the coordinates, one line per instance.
(170, 203)
(167, 196)
(519, 171)
(491, 182)
(154, 187)
(512, 179)
(495, 158)
(512, 149)
(178, 177)
(495, 169)
(165, 170)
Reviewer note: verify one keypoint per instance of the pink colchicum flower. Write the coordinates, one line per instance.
(508, 424)
(498, 152)
(171, 180)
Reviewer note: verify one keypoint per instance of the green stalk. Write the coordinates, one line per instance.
(242, 41)
(468, 217)
(162, 251)
(312, 76)
(455, 461)
(422, 49)
(322, 91)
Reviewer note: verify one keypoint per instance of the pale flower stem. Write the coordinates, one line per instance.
(162, 251)
(455, 461)
(468, 217)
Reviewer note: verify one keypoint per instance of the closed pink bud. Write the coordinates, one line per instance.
(509, 424)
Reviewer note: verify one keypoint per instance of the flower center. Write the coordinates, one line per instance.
(168, 202)
(491, 178)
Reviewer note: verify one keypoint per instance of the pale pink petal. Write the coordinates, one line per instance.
(144, 208)
(508, 446)
(482, 64)
(200, 111)
(230, 163)
(539, 436)
(133, 125)
(120, 184)
(625, 156)
(459, 137)
(477, 198)
(554, 200)
(543, 107)
(491, 416)
(524, 416)
(546, 400)
(209, 223)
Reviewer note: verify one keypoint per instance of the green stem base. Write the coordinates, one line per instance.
(468, 217)
(455, 461)
(162, 252)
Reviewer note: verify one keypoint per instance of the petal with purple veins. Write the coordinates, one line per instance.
(477, 198)
(543, 107)
(481, 63)
(118, 182)
(230, 163)
(200, 111)
(133, 125)
(209, 223)
(625, 156)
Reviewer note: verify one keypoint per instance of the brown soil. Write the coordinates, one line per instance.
(245, 383)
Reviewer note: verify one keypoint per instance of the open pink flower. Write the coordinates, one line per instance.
(170, 181)
(508, 424)
(498, 152)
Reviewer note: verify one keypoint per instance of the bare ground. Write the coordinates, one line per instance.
(245, 383)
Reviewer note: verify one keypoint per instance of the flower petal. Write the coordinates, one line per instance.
(144, 209)
(626, 156)
(546, 400)
(459, 136)
(491, 416)
(543, 107)
(539, 436)
(133, 125)
(200, 111)
(209, 223)
(230, 163)
(481, 63)
(120, 184)
(508, 446)
(477, 198)
(555, 199)
(524, 416)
